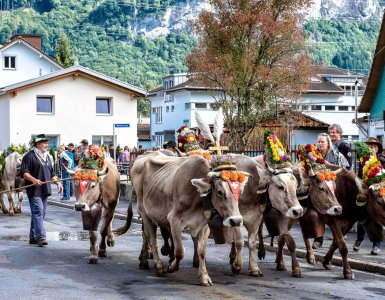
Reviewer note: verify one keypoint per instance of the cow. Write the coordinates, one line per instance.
(169, 194)
(321, 197)
(97, 195)
(9, 181)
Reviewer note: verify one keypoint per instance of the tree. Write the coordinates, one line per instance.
(64, 54)
(253, 52)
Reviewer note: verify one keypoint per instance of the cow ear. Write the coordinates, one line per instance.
(264, 175)
(203, 186)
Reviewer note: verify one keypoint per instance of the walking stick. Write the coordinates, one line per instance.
(27, 186)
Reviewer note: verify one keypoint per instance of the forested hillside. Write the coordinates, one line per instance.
(102, 36)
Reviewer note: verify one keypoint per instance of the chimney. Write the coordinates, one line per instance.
(32, 39)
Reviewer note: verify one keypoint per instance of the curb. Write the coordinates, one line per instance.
(355, 264)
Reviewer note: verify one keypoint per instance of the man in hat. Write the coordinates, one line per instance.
(36, 167)
(171, 146)
(84, 144)
(376, 148)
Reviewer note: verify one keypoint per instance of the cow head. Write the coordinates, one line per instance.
(88, 187)
(282, 186)
(376, 203)
(321, 190)
(225, 188)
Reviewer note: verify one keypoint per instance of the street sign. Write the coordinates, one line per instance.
(121, 125)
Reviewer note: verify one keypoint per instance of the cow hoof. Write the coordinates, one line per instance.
(297, 273)
(261, 254)
(280, 268)
(349, 276)
(143, 265)
(236, 269)
(327, 266)
(205, 281)
(172, 269)
(256, 273)
(5, 211)
(110, 243)
(165, 250)
(102, 253)
(196, 264)
(11, 213)
(93, 260)
(311, 260)
(160, 271)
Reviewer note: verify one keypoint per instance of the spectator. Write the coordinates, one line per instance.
(111, 150)
(376, 148)
(325, 146)
(125, 155)
(84, 144)
(335, 132)
(66, 161)
(171, 146)
(71, 154)
(36, 167)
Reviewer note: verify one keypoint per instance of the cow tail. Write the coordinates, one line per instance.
(122, 230)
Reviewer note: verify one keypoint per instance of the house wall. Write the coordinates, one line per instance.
(29, 64)
(303, 137)
(74, 116)
(5, 140)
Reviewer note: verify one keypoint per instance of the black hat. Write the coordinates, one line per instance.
(374, 141)
(84, 141)
(169, 144)
(40, 138)
(70, 145)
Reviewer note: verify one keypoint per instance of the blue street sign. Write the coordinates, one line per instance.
(121, 125)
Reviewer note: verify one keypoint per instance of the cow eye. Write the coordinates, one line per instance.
(220, 193)
(93, 185)
(321, 188)
(281, 187)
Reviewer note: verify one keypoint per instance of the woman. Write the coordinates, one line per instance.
(325, 146)
(376, 148)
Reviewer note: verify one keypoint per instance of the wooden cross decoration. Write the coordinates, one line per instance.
(218, 148)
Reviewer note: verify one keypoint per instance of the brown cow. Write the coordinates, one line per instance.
(9, 181)
(167, 196)
(97, 199)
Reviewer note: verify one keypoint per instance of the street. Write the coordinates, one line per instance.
(61, 271)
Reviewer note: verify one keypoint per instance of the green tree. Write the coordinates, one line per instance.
(64, 54)
(252, 50)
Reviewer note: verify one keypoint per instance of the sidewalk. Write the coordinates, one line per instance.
(361, 260)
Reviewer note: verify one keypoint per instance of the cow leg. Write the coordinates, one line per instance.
(279, 259)
(105, 231)
(143, 257)
(179, 249)
(328, 257)
(204, 278)
(253, 233)
(296, 270)
(20, 204)
(237, 266)
(165, 250)
(151, 234)
(310, 258)
(11, 204)
(3, 208)
(93, 259)
(232, 253)
(261, 244)
(196, 256)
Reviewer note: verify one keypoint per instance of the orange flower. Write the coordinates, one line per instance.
(93, 177)
(233, 176)
(85, 176)
(328, 176)
(78, 175)
(333, 176)
(190, 139)
(321, 176)
(241, 177)
(225, 175)
(382, 192)
(206, 155)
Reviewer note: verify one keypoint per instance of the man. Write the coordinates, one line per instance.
(171, 146)
(36, 167)
(65, 161)
(71, 152)
(84, 144)
(335, 132)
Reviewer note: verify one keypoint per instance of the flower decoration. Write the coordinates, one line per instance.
(205, 154)
(372, 171)
(310, 157)
(93, 158)
(187, 139)
(233, 176)
(326, 175)
(275, 153)
(223, 165)
(381, 193)
(86, 176)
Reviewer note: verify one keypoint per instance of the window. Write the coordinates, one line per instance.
(187, 106)
(9, 62)
(44, 104)
(53, 140)
(305, 107)
(103, 106)
(353, 108)
(186, 122)
(172, 108)
(330, 107)
(165, 85)
(316, 107)
(201, 105)
(167, 109)
(343, 108)
(158, 114)
(159, 140)
(102, 140)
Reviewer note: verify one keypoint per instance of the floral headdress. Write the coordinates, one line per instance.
(187, 142)
(275, 154)
(310, 158)
(93, 158)
(372, 169)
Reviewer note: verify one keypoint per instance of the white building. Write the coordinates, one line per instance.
(69, 105)
(22, 59)
(331, 98)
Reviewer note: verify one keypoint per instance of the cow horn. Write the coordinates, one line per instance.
(311, 172)
(71, 172)
(270, 169)
(103, 172)
(246, 173)
(338, 171)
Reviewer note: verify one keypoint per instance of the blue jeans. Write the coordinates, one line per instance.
(66, 184)
(38, 209)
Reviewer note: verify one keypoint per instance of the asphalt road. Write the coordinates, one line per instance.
(61, 271)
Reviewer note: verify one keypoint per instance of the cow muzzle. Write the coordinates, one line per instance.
(233, 221)
(295, 212)
(334, 210)
(81, 207)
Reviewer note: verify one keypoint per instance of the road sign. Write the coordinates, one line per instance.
(121, 125)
